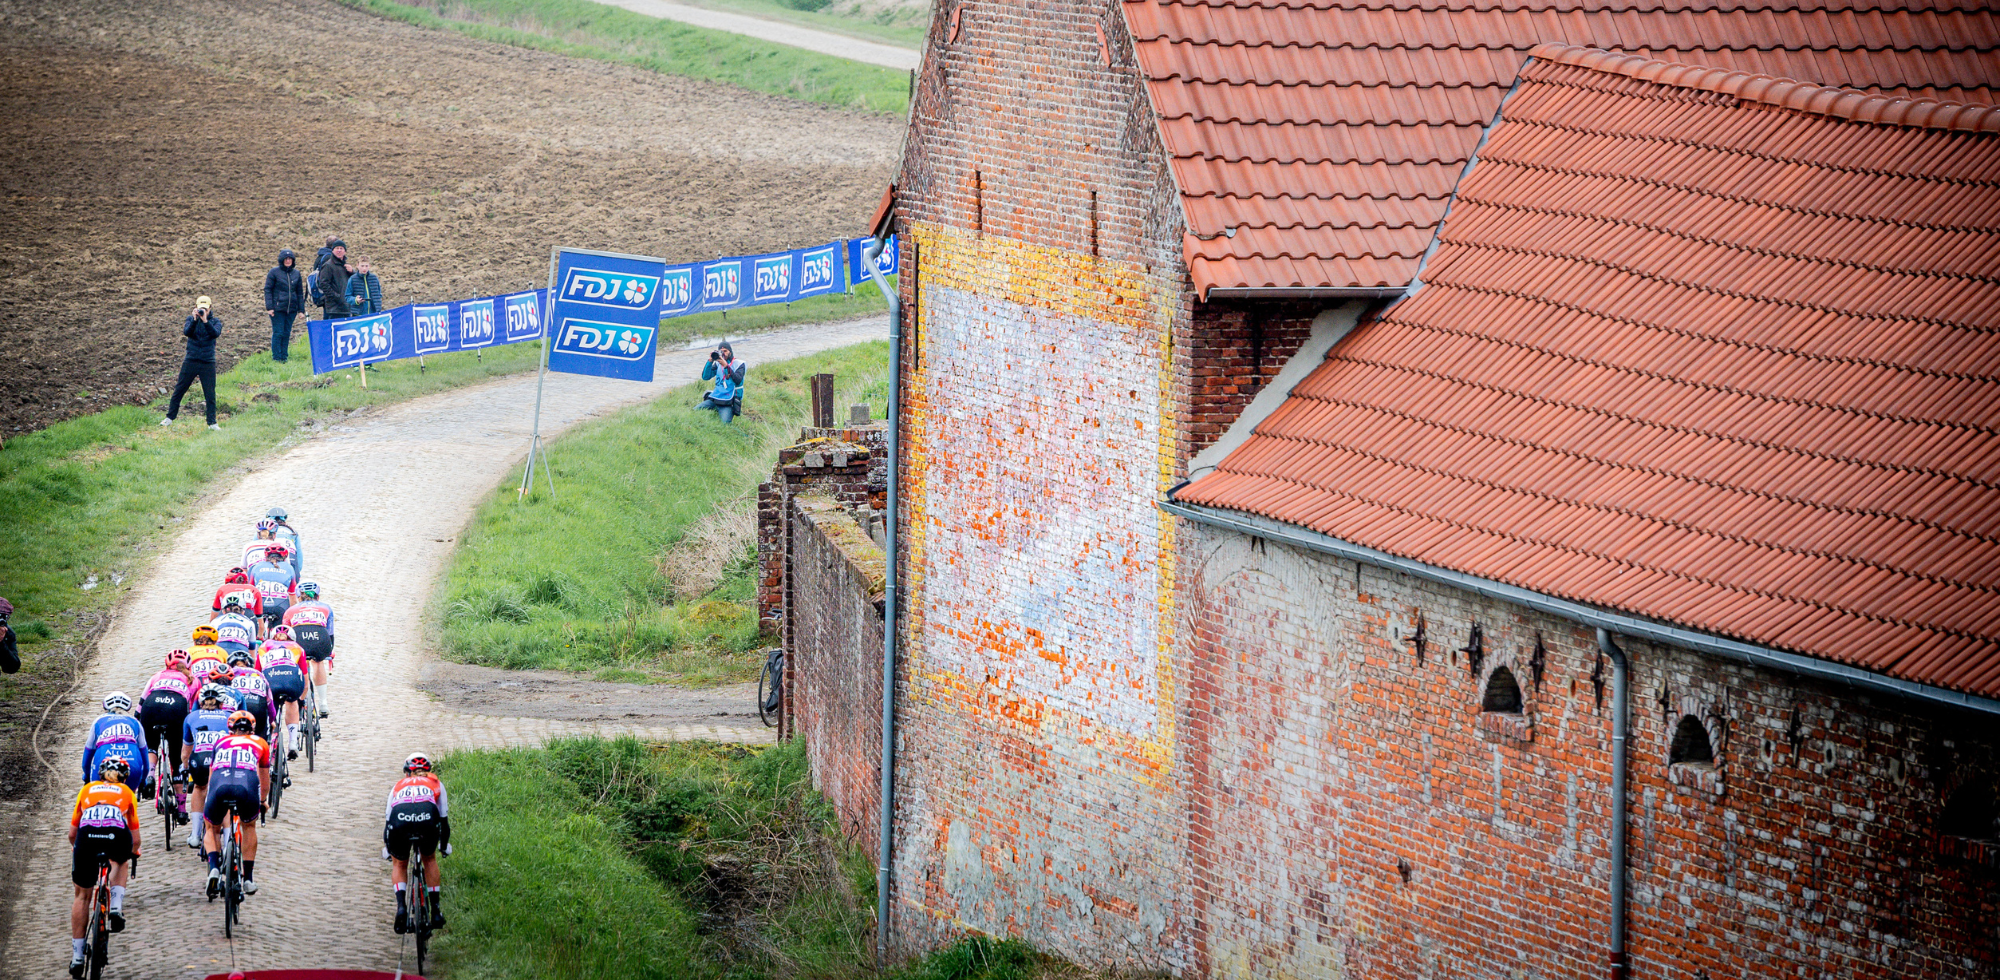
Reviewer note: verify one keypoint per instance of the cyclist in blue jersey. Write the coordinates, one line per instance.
(275, 578)
(117, 735)
(235, 629)
(204, 727)
(282, 530)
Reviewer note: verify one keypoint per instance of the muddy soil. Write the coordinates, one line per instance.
(156, 150)
(471, 689)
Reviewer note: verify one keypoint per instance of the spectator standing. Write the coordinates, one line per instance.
(201, 329)
(284, 300)
(325, 251)
(10, 650)
(333, 282)
(364, 291)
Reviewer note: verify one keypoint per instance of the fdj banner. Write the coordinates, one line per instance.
(604, 312)
(425, 328)
(857, 259)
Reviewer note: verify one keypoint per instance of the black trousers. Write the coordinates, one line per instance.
(190, 370)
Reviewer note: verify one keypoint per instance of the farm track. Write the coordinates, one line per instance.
(154, 150)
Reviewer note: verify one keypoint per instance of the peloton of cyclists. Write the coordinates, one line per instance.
(103, 823)
(311, 622)
(418, 820)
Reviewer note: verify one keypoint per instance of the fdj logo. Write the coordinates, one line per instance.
(816, 271)
(524, 317)
(721, 284)
(676, 291)
(617, 341)
(475, 323)
(774, 279)
(355, 341)
(433, 328)
(618, 290)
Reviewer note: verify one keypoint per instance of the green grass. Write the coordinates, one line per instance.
(903, 27)
(582, 29)
(864, 301)
(586, 580)
(593, 858)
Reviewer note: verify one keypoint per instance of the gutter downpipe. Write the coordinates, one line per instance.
(885, 821)
(1621, 693)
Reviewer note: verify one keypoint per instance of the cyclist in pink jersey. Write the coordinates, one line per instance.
(284, 667)
(253, 692)
(311, 621)
(163, 705)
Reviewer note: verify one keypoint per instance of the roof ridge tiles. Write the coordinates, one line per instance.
(1628, 512)
(1667, 427)
(1792, 499)
(1736, 293)
(1810, 97)
(1718, 243)
(1465, 525)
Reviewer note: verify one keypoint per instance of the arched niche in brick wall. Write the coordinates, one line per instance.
(1696, 745)
(1504, 709)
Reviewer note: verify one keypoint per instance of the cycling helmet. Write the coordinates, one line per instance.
(178, 658)
(237, 576)
(209, 692)
(242, 721)
(232, 601)
(308, 590)
(417, 762)
(241, 658)
(115, 765)
(266, 527)
(277, 551)
(217, 668)
(117, 702)
(281, 632)
(206, 634)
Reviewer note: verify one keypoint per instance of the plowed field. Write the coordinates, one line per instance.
(155, 150)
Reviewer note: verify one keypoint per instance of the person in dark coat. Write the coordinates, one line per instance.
(284, 300)
(324, 251)
(201, 329)
(333, 283)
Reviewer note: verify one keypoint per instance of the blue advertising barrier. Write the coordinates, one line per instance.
(605, 314)
(417, 329)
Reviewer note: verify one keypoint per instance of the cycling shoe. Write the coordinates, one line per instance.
(402, 921)
(117, 921)
(291, 755)
(214, 883)
(76, 962)
(437, 920)
(249, 886)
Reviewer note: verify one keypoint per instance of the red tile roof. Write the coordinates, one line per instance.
(1698, 345)
(1327, 134)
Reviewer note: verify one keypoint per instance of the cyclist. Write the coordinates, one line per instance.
(311, 621)
(234, 629)
(275, 580)
(237, 583)
(117, 735)
(104, 823)
(283, 531)
(204, 727)
(163, 707)
(255, 551)
(253, 692)
(284, 666)
(239, 778)
(419, 819)
(204, 651)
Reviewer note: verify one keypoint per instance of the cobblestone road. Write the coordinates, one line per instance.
(378, 499)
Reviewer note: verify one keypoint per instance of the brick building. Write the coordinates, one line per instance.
(1292, 393)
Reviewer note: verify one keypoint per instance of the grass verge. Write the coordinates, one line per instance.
(582, 29)
(643, 564)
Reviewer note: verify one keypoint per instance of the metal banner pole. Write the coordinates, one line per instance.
(541, 378)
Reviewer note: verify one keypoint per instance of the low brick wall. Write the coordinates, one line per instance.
(834, 649)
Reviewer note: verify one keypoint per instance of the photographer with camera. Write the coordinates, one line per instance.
(201, 329)
(726, 398)
(10, 650)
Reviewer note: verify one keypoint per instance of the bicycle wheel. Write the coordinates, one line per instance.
(277, 778)
(100, 945)
(310, 730)
(163, 801)
(422, 904)
(231, 882)
(767, 681)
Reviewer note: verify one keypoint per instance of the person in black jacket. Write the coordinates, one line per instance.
(201, 330)
(333, 283)
(284, 300)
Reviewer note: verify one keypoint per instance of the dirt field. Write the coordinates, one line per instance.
(155, 150)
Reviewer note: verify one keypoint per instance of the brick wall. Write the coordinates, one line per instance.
(1232, 350)
(834, 651)
(851, 463)
(1351, 810)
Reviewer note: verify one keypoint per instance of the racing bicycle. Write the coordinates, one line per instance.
(168, 801)
(280, 772)
(97, 926)
(309, 722)
(232, 875)
(423, 902)
(771, 688)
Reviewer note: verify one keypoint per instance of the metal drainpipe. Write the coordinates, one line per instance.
(1620, 703)
(885, 822)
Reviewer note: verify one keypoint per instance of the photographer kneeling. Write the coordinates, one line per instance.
(726, 398)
